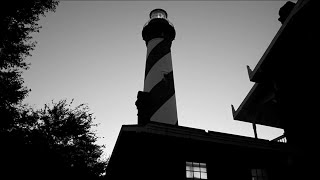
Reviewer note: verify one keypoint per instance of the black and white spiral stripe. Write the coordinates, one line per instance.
(159, 81)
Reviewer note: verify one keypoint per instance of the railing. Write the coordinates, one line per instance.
(281, 138)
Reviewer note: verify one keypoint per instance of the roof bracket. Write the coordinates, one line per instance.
(249, 71)
(233, 111)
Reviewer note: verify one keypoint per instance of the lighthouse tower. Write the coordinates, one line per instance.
(157, 101)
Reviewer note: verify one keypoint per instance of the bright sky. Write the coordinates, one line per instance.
(93, 51)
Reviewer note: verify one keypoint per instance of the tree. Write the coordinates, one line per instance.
(18, 20)
(53, 142)
(57, 141)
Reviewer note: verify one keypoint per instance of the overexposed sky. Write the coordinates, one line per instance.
(93, 51)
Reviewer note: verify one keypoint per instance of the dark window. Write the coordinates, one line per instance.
(195, 170)
(259, 174)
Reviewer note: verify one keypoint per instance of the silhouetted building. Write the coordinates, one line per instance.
(163, 150)
(285, 85)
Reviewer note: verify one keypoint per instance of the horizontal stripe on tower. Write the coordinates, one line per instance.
(160, 50)
(161, 92)
(156, 74)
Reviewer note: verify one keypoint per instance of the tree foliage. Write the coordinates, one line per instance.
(57, 140)
(54, 142)
(18, 20)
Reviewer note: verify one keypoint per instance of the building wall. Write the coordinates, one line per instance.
(152, 156)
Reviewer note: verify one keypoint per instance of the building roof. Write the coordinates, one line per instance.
(260, 104)
(200, 135)
(259, 107)
(268, 58)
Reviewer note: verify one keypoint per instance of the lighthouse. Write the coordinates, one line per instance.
(157, 101)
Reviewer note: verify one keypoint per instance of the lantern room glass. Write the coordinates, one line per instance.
(158, 14)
